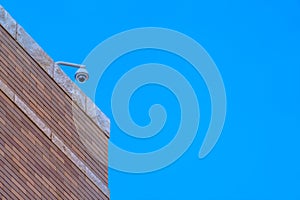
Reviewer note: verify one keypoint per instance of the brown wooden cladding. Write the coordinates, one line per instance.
(32, 167)
(40, 92)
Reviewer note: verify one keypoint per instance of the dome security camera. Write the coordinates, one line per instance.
(81, 75)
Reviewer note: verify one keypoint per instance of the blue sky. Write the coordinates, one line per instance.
(256, 46)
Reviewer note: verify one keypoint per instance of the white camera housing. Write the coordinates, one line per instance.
(81, 75)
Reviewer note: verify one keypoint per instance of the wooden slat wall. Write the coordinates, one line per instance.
(32, 167)
(39, 91)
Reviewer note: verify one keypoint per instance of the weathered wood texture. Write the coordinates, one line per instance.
(32, 167)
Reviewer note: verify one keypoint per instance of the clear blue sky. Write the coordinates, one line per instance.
(256, 46)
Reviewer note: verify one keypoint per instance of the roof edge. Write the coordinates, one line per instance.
(55, 72)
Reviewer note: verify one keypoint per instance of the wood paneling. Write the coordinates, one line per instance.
(32, 167)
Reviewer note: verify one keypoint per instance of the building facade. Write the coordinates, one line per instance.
(53, 139)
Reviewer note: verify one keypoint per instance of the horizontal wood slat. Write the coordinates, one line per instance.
(32, 166)
(16, 70)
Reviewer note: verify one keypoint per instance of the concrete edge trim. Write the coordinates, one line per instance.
(47, 64)
(53, 137)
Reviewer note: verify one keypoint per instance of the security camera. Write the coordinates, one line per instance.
(81, 75)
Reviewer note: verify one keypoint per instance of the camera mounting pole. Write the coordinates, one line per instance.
(70, 64)
(81, 74)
